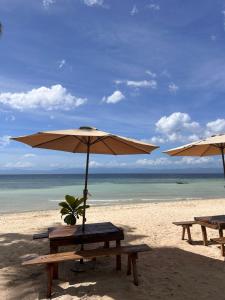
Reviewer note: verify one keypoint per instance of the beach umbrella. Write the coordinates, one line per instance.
(213, 145)
(86, 140)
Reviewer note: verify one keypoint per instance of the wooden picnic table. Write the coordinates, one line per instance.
(213, 222)
(94, 233)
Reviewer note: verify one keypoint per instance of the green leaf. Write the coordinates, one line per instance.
(70, 219)
(71, 201)
(80, 201)
(65, 205)
(64, 211)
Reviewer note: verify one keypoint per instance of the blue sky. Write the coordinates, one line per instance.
(152, 70)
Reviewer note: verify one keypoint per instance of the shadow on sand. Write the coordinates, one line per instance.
(165, 273)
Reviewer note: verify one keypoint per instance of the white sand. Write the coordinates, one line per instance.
(173, 270)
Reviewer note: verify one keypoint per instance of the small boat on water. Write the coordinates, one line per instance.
(181, 182)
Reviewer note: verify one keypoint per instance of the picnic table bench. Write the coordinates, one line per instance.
(131, 251)
(186, 225)
(213, 222)
(62, 235)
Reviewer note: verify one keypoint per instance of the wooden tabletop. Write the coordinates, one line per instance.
(214, 222)
(93, 233)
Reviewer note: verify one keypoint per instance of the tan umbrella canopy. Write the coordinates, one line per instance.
(86, 140)
(213, 145)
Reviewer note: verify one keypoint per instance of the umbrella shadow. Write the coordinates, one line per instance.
(164, 273)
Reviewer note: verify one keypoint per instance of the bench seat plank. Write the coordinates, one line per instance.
(64, 256)
(131, 251)
(181, 223)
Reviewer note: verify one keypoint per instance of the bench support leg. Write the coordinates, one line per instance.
(183, 232)
(106, 244)
(222, 248)
(189, 234)
(50, 276)
(204, 236)
(128, 264)
(54, 249)
(118, 257)
(134, 267)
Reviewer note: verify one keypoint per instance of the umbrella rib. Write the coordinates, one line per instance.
(77, 145)
(52, 140)
(99, 139)
(80, 139)
(207, 148)
(122, 141)
(192, 146)
(113, 152)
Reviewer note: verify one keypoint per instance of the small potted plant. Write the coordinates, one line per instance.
(72, 208)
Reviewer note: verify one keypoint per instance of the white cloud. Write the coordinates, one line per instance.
(179, 162)
(54, 98)
(173, 88)
(144, 83)
(10, 118)
(4, 141)
(153, 6)
(62, 63)
(94, 2)
(179, 127)
(19, 165)
(188, 160)
(175, 122)
(176, 127)
(29, 155)
(134, 10)
(223, 13)
(138, 83)
(166, 73)
(47, 3)
(161, 161)
(117, 96)
(118, 81)
(109, 164)
(215, 127)
(153, 75)
(213, 37)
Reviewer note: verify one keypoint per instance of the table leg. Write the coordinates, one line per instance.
(128, 264)
(49, 275)
(189, 234)
(54, 249)
(204, 236)
(134, 267)
(183, 232)
(222, 245)
(118, 257)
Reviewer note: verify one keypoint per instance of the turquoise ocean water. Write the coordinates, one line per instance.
(41, 192)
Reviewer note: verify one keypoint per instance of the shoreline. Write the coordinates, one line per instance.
(138, 203)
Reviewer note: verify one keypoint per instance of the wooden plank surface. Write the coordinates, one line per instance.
(62, 232)
(220, 240)
(64, 256)
(184, 223)
(214, 222)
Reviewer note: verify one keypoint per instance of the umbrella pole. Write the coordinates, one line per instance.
(222, 152)
(85, 191)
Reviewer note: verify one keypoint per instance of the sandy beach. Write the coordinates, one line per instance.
(174, 269)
